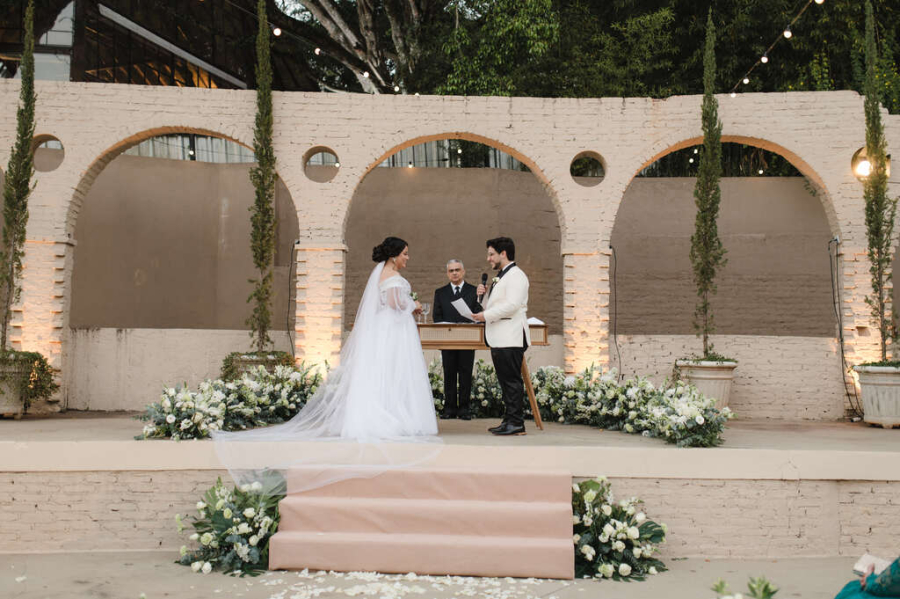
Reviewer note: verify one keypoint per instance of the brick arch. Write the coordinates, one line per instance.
(391, 148)
(96, 167)
(664, 148)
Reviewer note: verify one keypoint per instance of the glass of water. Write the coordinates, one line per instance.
(426, 308)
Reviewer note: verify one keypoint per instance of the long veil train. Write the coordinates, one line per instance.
(374, 413)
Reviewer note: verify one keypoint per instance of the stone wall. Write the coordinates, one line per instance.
(818, 132)
(134, 510)
(777, 377)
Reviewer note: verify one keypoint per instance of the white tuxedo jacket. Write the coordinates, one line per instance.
(504, 312)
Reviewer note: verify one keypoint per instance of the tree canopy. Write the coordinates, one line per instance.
(582, 48)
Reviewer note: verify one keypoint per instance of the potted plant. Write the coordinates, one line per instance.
(24, 376)
(262, 218)
(711, 373)
(879, 381)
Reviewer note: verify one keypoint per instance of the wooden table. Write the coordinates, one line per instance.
(471, 336)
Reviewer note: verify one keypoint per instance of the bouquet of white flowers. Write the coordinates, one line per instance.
(233, 527)
(258, 398)
(613, 540)
(681, 415)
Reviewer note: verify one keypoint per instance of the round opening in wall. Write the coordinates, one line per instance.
(587, 169)
(48, 153)
(321, 164)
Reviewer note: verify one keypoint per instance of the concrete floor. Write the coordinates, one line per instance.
(128, 575)
(740, 434)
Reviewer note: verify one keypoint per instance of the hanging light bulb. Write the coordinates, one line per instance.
(277, 31)
(695, 150)
(760, 171)
(366, 74)
(409, 165)
(733, 94)
(764, 58)
(691, 160)
(787, 32)
(318, 51)
(746, 80)
(337, 165)
(396, 88)
(820, 1)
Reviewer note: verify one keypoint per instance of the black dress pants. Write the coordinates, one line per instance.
(508, 363)
(458, 365)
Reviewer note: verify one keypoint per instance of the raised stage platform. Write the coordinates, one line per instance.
(78, 481)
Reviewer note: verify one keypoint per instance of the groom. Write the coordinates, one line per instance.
(506, 330)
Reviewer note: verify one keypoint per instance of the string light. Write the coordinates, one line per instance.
(277, 31)
(409, 165)
(366, 74)
(691, 160)
(695, 150)
(317, 51)
(396, 88)
(760, 171)
(337, 165)
(764, 59)
(459, 150)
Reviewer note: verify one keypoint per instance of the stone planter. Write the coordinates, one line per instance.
(11, 374)
(880, 387)
(712, 379)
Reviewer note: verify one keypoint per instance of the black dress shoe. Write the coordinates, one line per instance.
(498, 427)
(465, 416)
(510, 430)
(448, 416)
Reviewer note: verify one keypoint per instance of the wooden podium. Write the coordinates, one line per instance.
(471, 336)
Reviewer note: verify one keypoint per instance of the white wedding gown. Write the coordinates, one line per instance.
(369, 412)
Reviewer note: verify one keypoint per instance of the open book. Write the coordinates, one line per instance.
(862, 564)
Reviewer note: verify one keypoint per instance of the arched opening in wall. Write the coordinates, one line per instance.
(773, 312)
(162, 264)
(446, 196)
(772, 223)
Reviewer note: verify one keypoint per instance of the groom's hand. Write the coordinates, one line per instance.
(478, 317)
(481, 290)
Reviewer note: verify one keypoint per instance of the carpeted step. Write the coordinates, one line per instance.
(459, 555)
(301, 513)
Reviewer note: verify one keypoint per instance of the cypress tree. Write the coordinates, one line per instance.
(707, 252)
(17, 185)
(262, 219)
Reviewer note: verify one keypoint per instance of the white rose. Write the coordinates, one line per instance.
(637, 552)
(608, 529)
(576, 488)
(624, 569)
(607, 509)
(588, 520)
(652, 570)
(170, 418)
(206, 538)
(207, 568)
(200, 505)
(640, 517)
(253, 540)
(634, 533)
(576, 538)
(249, 512)
(576, 519)
(196, 566)
(227, 513)
(699, 419)
(194, 536)
(607, 570)
(590, 496)
(256, 486)
(619, 546)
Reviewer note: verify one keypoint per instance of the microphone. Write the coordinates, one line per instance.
(483, 282)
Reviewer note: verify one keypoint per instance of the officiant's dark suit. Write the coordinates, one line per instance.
(458, 363)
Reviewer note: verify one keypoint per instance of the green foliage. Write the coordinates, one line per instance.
(707, 252)
(880, 210)
(230, 370)
(758, 588)
(17, 184)
(488, 56)
(613, 540)
(32, 375)
(233, 527)
(262, 219)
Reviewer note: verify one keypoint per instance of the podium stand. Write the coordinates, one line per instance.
(471, 336)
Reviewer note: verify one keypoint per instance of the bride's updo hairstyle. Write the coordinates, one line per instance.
(389, 248)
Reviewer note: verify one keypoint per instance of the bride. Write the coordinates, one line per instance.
(379, 393)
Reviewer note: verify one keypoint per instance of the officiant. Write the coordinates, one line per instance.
(458, 363)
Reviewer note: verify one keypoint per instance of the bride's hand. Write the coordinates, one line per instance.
(418, 309)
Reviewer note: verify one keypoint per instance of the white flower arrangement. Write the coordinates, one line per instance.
(610, 541)
(258, 398)
(234, 527)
